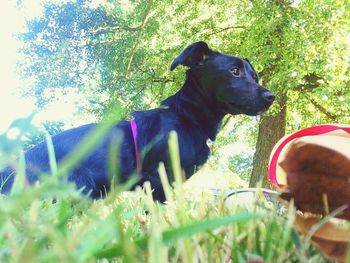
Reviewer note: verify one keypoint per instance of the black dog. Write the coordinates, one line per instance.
(216, 84)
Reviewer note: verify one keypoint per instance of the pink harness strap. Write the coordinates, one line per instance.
(316, 130)
(137, 155)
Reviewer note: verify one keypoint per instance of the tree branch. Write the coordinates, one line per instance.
(225, 29)
(115, 28)
(329, 115)
(226, 122)
(312, 81)
(142, 27)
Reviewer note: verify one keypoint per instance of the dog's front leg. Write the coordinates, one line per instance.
(156, 184)
(157, 187)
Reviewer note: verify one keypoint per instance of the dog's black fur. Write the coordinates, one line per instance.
(216, 84)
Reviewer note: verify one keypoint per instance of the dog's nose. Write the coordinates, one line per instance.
(268, 96)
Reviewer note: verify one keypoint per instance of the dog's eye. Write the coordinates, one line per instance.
(235, 71)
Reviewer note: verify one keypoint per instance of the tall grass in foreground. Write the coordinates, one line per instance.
(52, 222)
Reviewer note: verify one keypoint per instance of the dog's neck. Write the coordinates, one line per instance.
(192, 105)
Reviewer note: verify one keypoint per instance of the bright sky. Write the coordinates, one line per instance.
(12, 104)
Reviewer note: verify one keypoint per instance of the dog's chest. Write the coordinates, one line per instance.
(194, 150)
(156, 127)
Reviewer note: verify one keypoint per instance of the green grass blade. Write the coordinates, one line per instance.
(114, 160)
(20, 177)
(173, 235)
(175, 157)
(87, 144)
(296, 240)
(288, 226)
(324, 220)
(52, 156)
(258, 246)
(165, 182)
(270, 238)
(210, 224)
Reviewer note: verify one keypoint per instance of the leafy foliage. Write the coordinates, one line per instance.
(300, 48)
(58, 48)
(121, 51)
(49, 127)
(241, 164)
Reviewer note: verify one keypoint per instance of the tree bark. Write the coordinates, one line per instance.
(271, 129)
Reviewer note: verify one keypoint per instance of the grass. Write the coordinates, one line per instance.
(52, 222)
(130, 227)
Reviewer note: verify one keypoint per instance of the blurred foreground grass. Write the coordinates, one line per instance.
(52, 222)
(130, 227)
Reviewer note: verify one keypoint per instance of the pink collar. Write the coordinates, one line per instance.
(137, 155)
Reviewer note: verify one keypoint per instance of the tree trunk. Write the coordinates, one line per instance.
(271, 129)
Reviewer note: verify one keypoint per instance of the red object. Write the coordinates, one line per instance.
(316, 130)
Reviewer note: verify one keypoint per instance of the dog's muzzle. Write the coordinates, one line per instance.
(253, 106)
(268, 96)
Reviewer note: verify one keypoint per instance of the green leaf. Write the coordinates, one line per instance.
(173, 235)
(20, 178)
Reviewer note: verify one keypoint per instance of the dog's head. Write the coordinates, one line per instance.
(231, 81)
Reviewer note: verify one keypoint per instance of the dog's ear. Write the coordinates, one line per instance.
(250, 64)
(194, 55)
